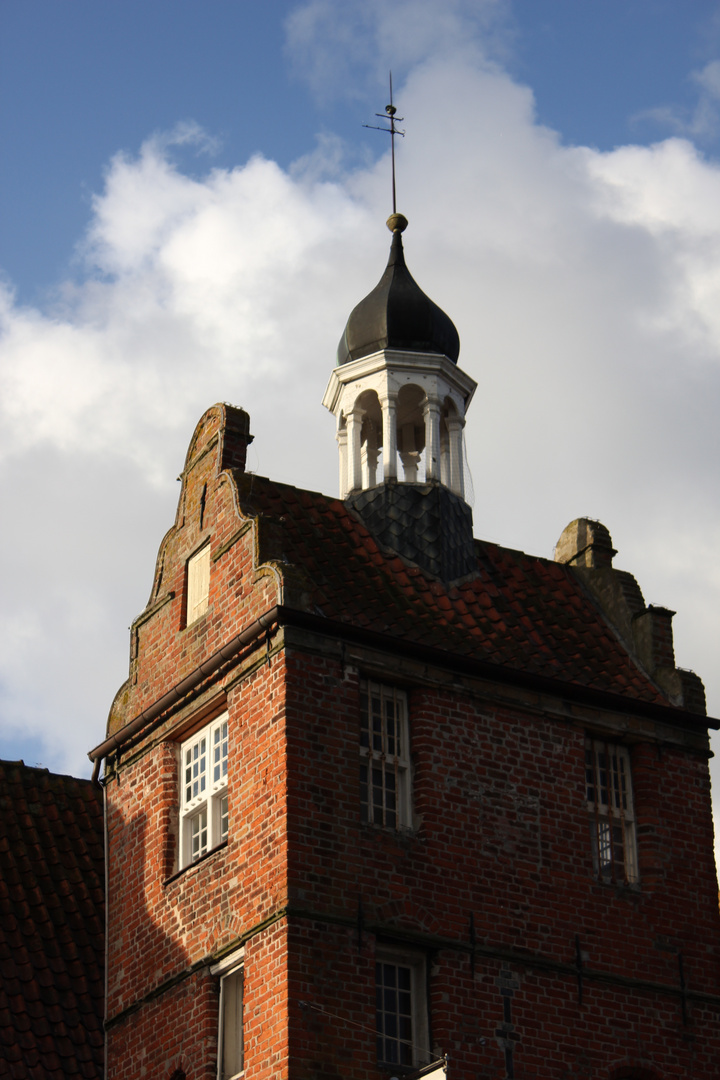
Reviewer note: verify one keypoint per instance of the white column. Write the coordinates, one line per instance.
(444, 455)
(388, 405)
(370, 453)
(431, 412)
(456, 480)
(409, 455)
(354, 427)
(342, 437)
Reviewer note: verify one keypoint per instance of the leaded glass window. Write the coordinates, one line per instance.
(384, 756)
(204, 798)
(608, 783)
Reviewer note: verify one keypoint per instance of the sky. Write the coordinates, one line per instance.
(192, 207)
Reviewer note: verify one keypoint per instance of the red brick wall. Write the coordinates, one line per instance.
(160, 928)
(176, 1031)
(501, 837)
(552, 1034)
(499, 855)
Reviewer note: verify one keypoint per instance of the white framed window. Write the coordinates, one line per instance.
(401, 1020)
(203, 791)
(198, 584)
(384, 756)
(230, 1033)
(608, 781)
(230, 1061)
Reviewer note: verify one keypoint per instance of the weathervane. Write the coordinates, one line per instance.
(392, 131)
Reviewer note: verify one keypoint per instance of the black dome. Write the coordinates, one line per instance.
(397, 314)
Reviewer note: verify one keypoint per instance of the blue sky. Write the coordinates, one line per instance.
(192, 208)
(83, 80)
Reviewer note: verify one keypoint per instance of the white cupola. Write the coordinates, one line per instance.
(397, 394)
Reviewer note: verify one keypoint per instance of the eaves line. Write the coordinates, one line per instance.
(485, 669)
(467, 665)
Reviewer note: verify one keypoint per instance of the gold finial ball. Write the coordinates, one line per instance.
(397, 223)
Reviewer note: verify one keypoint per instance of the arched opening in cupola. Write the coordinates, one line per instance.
(370, 437)
(451, 447)
(411, 432)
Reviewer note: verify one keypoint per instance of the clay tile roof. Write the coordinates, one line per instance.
(517, 610)
(51, 925)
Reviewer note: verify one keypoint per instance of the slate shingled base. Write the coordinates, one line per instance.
(425, 523)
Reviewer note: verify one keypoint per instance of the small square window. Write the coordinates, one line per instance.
(384, 756)
(203, 791)
(401, 1010)
(198, 584)
(608, 784)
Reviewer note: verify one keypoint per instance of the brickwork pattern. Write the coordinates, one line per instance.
(534, 967)
(164, 922)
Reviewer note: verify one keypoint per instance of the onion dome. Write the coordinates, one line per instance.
(397, 314)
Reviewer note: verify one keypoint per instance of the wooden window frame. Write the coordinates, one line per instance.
(231, 970)
(198, 584)
(415, 1049)
(613, 831)
(203, 776)
(385, 767)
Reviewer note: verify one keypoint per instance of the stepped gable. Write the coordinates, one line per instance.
(51, 925)
(518, 611)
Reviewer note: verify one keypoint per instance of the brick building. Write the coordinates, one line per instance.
(378, 792)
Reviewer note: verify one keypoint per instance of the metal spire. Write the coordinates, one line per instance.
(392, 131)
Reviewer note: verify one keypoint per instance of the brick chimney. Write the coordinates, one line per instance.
(235, 438)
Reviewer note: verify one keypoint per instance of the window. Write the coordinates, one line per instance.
(400, 1011)
(384, 756)
(230, 1034)
(203, 794)
(612, 816)
(230, 1023)
(198, 584)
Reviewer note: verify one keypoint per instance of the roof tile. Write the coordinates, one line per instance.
(51, 853)
(519, 611)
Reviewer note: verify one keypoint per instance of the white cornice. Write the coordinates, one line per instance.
(398, 361)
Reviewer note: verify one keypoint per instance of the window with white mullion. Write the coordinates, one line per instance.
(612, 815)
(384, 756)
(393, 1011)
(196, 780)
(198, 834)
(223, 811)
(203, 797)
(220, 752)
(230, 1035)
(401, 1018)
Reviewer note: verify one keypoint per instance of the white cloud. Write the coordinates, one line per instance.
(702, 120)
(336, 49)
(583, 286)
